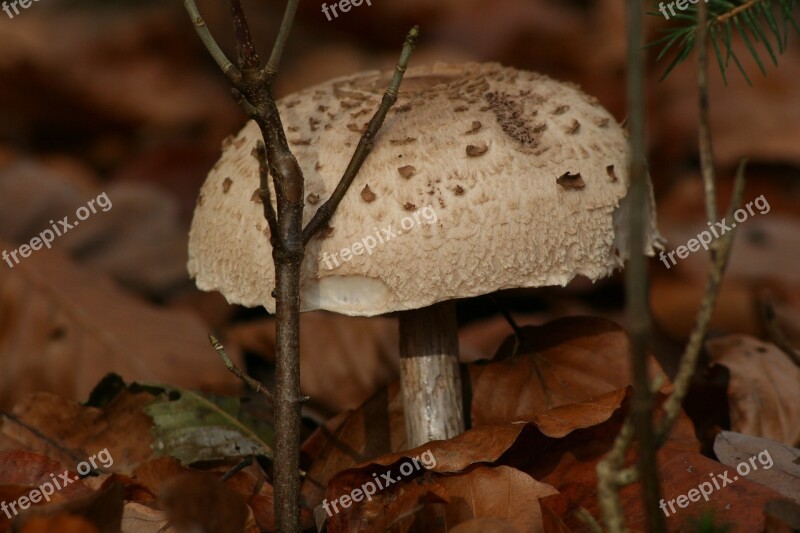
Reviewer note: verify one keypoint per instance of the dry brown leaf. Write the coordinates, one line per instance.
(499, 492)
(62, 328)
(739, 505)
(138, 518)
(199, 501)
(566, 361)
(770, 463)
(763, 392)
(22, 471)
(70, 432)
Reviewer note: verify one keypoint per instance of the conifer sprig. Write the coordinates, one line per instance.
(763, 25)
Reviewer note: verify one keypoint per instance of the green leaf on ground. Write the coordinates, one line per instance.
(191, 427)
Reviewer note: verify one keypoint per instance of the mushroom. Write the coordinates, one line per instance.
(482, 178)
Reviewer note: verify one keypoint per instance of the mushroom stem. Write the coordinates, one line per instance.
(430, 375)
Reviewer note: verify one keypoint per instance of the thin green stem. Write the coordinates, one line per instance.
(225, 65)
(280, 41)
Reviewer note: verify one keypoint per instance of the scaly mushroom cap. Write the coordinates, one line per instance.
(482, 178)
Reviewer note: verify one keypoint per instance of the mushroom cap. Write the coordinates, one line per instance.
(482, 178)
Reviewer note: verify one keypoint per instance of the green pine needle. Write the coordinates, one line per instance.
(762, 24)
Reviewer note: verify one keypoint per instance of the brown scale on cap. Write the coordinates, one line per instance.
(367, 195)
(477, 151)
(571, 181)
(407, 171)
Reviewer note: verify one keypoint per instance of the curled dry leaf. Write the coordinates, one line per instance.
(763, 392)
(21, 471)
(567, 361)
(770, 463)
(482, 492)
(138, 518)
(71, 432)
(64, 328)
(499, 492)
(570, 465)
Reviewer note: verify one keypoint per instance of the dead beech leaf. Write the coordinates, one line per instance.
(21, 471)
(770, 463)
(63, 328)
(482, 492)
(70, 432)
(138, 518)
(763, 392)
(567, 361)
(738, 505)
(570, 465)
(499, 492)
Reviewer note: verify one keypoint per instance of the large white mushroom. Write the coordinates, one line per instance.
(482, 178)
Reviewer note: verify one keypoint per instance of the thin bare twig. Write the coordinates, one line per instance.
(326, 210)
(607, 481)
(722, 250)
(260, 153)
(238, 372)
(636, 284)
(735, 11)
(704, 133)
